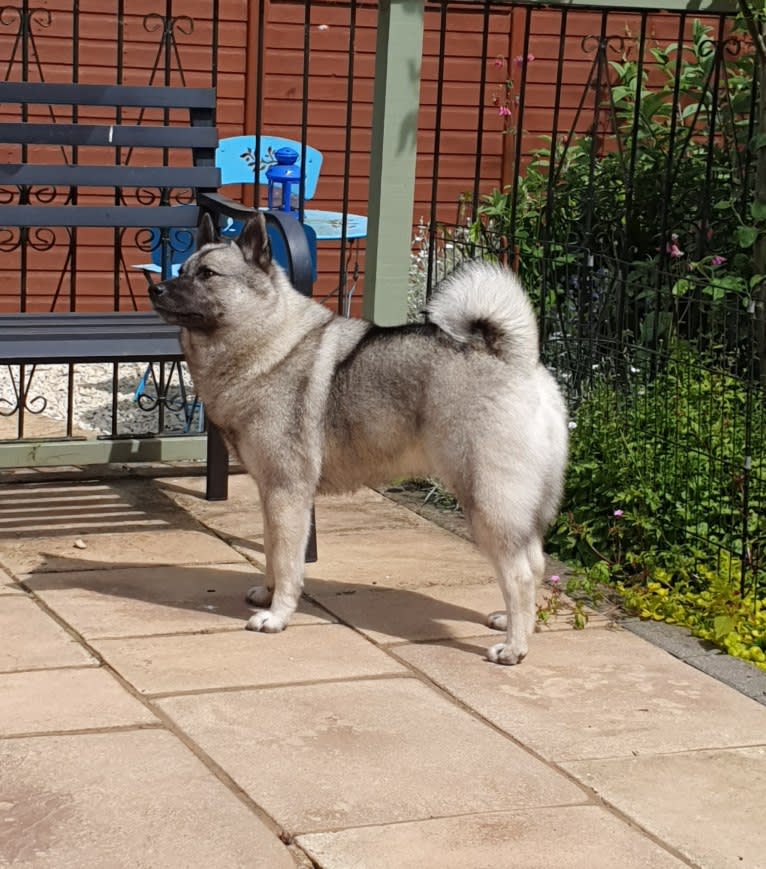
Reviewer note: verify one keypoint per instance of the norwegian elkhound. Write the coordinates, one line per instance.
(312, 402)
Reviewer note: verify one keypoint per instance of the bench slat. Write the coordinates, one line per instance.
(109, 176)
(128, 216)
(107, 95)
(60, 338)
(109, 136)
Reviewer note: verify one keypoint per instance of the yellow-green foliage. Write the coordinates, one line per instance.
(718, 614)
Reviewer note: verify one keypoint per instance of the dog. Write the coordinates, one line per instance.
(315, 403)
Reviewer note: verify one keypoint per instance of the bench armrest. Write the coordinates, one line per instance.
(219, 204)
(294, 236)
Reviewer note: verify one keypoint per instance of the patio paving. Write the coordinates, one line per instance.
(140, 725)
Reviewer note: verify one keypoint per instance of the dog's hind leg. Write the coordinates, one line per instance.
(517, 582)
(287, 516)
(499, 620)
(516, 568)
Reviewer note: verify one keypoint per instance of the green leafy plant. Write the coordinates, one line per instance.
(716, 612)
(664, 200)
(657, 490)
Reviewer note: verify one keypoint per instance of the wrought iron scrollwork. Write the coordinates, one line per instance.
(22, 400)
(731, 45)
(149, 196)
(169, 26)
(39, 238)
(23, 19)
(154, 392)
(179, 240)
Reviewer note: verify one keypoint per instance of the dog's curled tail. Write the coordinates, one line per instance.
(484, 306)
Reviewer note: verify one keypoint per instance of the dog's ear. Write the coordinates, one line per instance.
(206, 231)
(254, 243)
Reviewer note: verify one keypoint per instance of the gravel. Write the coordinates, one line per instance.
(92, 396)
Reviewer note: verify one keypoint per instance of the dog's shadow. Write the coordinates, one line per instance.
(215, 593)
(219, 591)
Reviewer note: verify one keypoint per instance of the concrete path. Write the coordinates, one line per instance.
(141, 726)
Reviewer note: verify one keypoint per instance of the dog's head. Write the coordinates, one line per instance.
(220, 284)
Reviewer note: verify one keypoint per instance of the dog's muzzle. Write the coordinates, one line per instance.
(157, 291)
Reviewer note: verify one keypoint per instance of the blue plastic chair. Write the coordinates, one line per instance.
(236, 159)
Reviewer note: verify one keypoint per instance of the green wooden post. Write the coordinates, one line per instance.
(392, 160)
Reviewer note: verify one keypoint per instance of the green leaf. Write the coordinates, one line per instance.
(758, 210)
(746, 235)
(620, 93)
(723, 626)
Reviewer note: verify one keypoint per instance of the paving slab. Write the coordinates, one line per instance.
(123, 800)
(393, 615)
(141, 601)
(66, 508)
(707, 804)
(30, 639)
(8, 586)
(367, 752)
(103, 551)
(234, 659)
(56, 700)
(598, 693)
(739, 674)
(569, 837)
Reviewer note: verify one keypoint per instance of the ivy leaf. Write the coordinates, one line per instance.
(758, 210)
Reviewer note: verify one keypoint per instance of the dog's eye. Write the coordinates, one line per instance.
(205, 273)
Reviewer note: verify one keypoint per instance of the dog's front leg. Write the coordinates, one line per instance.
(287, 518)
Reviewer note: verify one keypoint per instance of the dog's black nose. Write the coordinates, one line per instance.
(156, 290)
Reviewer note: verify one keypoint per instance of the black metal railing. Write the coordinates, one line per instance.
(626, 207)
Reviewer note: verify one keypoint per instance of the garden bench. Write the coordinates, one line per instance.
(59, 177)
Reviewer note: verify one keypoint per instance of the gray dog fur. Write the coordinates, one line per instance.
(312, 402)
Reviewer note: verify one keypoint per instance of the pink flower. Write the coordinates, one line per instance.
(519, 60)
(499, 62)
(503, 111)
(555, 580)
(618, 514)
(718, 260)
(673, 249)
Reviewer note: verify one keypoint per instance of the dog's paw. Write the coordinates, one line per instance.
(266, 621)
(498, 621)
(259, 595)
(503, 653)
